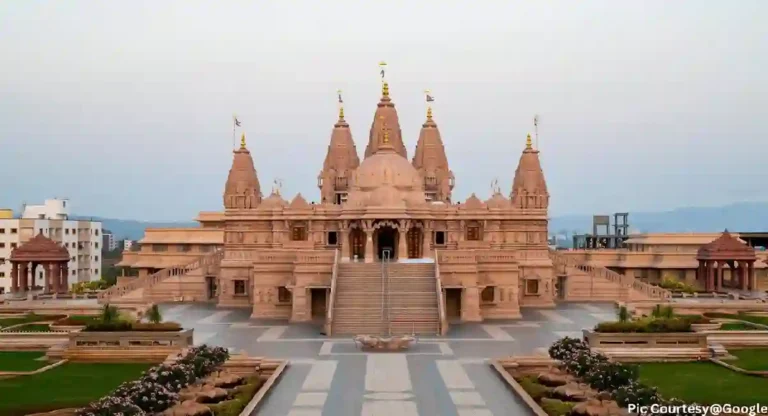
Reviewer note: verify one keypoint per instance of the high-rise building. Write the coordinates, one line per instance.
(82, 239)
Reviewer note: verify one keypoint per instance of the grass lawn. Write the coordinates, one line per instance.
(31, 328)
(751, 359)
(762, 320)
(68, 385)
(5, 322)
(739, 326)
(704, 382)
(79, 320)
(21, 360)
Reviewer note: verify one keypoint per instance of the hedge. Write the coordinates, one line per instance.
(660, 325)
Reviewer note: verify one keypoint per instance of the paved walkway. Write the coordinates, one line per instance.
(438, 376)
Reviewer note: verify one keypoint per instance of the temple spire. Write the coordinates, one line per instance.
(528, 143)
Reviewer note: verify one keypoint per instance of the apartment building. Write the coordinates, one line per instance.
(82, 239)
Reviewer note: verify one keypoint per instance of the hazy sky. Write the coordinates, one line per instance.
(125, 106)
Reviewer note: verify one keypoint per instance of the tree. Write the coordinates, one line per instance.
(153, 314)
(623, 314)
(109, 314)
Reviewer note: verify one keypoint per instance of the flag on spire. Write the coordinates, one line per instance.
(237, 122)
(338, 92)
(430, 98)
(382, 65)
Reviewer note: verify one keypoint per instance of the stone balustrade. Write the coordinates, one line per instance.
(126, 346)
(645, 340)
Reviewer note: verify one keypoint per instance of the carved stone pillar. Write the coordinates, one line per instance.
(751, 276)
(23, 276)
(14, 277)
(402, 244)
(426, 241)
(47, 274)
(56, 277)
(719, 280)
(470, 305)
(710, 276)
(64, 284)
(300, 305)
(369, 246)
(346, 244)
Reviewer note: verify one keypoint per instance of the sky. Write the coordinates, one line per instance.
(125, 107)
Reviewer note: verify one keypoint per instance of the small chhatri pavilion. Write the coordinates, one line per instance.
(39, 251)
(726, 250)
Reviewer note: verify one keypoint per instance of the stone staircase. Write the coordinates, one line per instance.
(595, 283)
(185, 282)
(405, 302)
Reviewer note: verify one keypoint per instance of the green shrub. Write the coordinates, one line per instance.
(78, 320)
(695, 319)
(533, 388)
(660, 325)
(116, 326)
(153, 314)
(623, 314)
(163, 326)
(553, 407)
(676, 285)
(109, 314)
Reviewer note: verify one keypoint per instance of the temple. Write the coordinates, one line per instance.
(387, 250)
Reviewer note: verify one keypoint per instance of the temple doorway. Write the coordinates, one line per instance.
(319, 303)
(453, 304)
(210, 287)
(357, 244)
(386, 242)
(414, 238)
(560, 287)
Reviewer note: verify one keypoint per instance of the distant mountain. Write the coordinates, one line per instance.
(742, 216)
(132, 229)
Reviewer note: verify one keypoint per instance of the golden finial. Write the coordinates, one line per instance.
(429, 113)
(385, 89)
(341, 113)
(528, 143)
(242, 141)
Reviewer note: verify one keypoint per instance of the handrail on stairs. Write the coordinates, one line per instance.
(150, 280)
(599, 271)
(384, 290)
(440, 301)
(331, 301)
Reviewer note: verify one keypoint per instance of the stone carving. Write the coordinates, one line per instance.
(374, 342)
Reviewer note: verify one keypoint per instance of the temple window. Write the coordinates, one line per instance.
(473, 233)
(184, 248)
(299, 232)
(159, 247)
(333, 238)
(240, 287)
(488, 294)
(283, 295)
(439, 238)
(532, 287)
(205, 248)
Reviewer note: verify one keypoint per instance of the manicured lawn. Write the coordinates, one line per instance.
(751, 359)
(21, 360)
(738, 326)
(68, 385)
(5, 322)
(704, 383)
(762, 320)
(79, 320)
(31, 328)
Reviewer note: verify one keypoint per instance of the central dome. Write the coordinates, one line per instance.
(386, 179)
(387, 168)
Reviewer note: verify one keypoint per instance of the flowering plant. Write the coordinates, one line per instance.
(158, 388)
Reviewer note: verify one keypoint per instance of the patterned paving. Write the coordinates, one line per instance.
(438, 376)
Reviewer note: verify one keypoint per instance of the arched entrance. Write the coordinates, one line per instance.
(414, 238)
(386, 240)
(357, 244)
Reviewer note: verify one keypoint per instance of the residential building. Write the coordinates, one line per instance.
(82, 239)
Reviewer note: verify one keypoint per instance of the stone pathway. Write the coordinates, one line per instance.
(438, 376)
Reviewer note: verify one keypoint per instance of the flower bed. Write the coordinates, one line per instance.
(123, 326)
(620, 380)
(159, 387)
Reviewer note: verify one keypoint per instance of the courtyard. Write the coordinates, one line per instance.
(439, 375)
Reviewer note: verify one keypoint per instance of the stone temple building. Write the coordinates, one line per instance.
(386, 250)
